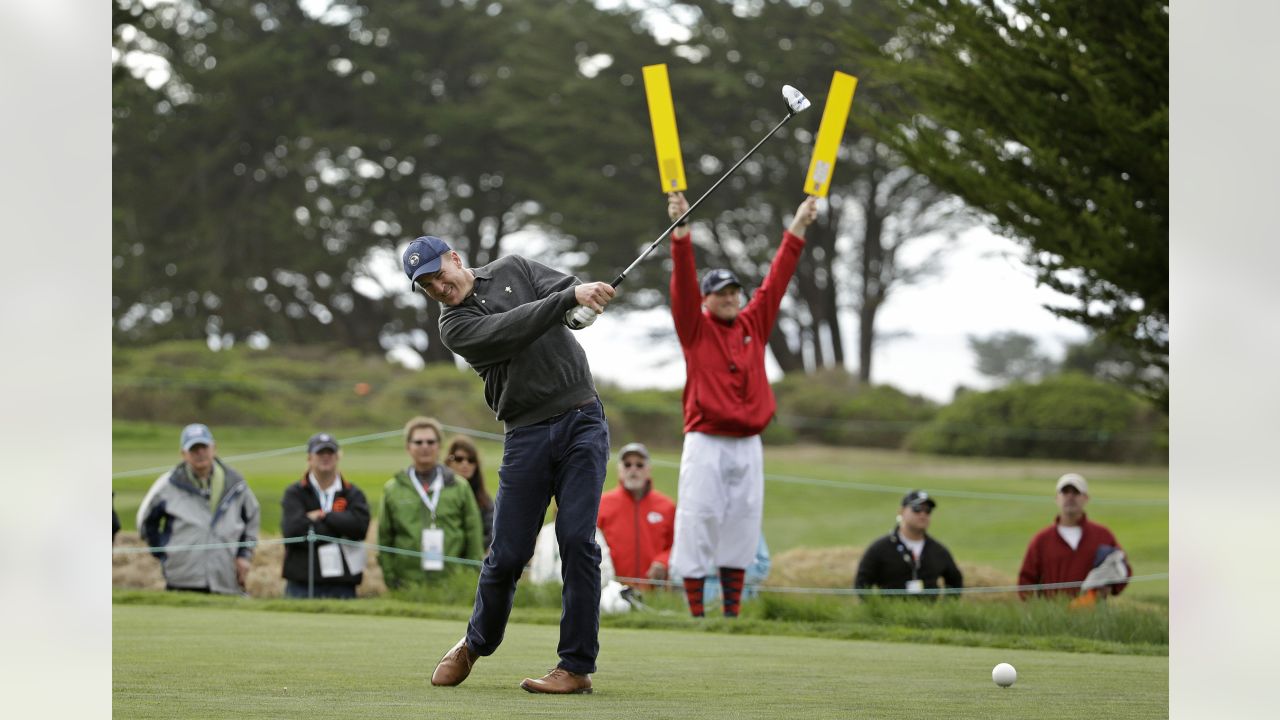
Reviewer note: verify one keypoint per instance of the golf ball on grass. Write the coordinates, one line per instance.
(1004, 675)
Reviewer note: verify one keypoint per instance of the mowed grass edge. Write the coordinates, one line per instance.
(209, 662)
(1120, 627)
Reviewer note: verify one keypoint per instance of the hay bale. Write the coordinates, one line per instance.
(834, 567)
(141, 571)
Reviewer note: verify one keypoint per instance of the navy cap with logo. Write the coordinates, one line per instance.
(423, 256)
(195, 434)
(918, 498)
(321, 441)
(717, 280)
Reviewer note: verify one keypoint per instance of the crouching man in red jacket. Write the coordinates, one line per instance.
(638, 522)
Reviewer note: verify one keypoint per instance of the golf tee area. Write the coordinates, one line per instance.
(240, 662)
(812, 653)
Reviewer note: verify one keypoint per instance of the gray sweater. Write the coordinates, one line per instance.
(511, 331)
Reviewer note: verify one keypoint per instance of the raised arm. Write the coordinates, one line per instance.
(763, 308)
(686, 300)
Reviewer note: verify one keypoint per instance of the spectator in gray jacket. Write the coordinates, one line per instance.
(201, 501)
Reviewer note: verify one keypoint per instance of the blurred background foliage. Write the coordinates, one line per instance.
(270, 157)
(1065, 416)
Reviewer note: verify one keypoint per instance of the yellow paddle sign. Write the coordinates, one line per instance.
(830, 132)
(662, 118)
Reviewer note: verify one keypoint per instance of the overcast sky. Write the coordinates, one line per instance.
(982, 288)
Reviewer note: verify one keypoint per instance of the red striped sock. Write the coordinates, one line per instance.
(731, 587)
(693, 591)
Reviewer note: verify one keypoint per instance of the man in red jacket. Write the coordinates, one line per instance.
(727, 403)
(1068, 549)
(637, 521)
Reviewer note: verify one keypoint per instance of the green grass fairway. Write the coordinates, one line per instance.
(212, 663)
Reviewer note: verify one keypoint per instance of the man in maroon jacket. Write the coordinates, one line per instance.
(1068, 549)
(727, 403)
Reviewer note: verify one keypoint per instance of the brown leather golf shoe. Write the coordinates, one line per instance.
(455, 666)
(559, 682)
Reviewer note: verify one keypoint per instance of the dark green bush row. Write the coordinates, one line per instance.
(298, 386)
(1065, 416)
(833, 408)
(1069, 416)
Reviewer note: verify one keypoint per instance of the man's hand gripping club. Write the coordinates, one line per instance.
(592, 299)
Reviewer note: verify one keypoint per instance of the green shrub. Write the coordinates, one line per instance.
(653, 417)
(832, 407)
(1069, 416)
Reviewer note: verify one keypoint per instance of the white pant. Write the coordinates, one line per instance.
(720, 504)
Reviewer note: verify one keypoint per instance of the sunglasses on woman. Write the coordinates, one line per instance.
(462, 459)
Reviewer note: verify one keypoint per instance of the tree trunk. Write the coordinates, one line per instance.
(789, 359)
(873, 286)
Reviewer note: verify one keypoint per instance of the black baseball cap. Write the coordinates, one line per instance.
(718, 279)
(321, 441)
(918, 497)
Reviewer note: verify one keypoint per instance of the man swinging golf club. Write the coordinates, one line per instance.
(508, 320)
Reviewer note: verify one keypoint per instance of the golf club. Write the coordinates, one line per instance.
(582, 315)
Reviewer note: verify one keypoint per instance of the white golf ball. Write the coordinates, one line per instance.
(1004, 675)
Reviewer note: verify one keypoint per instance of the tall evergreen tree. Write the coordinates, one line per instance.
(1051, 117)
(736, 60)
(263, 182)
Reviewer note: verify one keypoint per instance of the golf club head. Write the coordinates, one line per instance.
(796, 101)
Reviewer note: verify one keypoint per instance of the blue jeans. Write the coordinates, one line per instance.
(295, 589)
(564, 457)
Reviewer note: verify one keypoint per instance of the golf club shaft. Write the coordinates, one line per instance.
(622, 276)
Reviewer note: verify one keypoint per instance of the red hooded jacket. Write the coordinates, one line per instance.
(638, 531)
(726, 391)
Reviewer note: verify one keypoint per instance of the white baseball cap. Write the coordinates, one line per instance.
(633, 448)
(1076, 481)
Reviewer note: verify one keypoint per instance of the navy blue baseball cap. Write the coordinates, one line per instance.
(423, 256)
(717, 280)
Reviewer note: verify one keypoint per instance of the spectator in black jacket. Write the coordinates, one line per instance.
(908, 558)
(324, 501)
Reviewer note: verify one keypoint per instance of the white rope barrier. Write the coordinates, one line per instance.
(857, 592)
